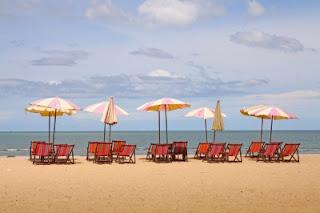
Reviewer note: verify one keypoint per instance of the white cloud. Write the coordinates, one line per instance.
(178, 12)
(286, 96)
(107, 12)
(255, 8)
(153, 52)
(269, 41)
(162, 73)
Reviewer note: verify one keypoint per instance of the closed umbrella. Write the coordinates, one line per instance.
(218, 124)
(109, 116)
(100, 107)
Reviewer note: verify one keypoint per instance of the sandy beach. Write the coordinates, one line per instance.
(191, 186)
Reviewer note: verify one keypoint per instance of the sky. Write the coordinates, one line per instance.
(242, 52)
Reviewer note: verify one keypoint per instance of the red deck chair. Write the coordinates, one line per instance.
(291, 151)
(202, 150)
(163, 152)
(151, 151)
(180, 148)
(254, 148)
(128, 154)
(32, 148)
(91, 149)
(270, 152)
(42, 153)
(63, 152)
(216, 152)
(233, 150)
(117, 147)
(103, 153)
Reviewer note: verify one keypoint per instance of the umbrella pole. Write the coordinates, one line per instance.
(271, 129)
(104, 133)
(54, 126)
(165, 107)
(214, 136)
(205, 127)
(109, 132)
(159, 127)
(261, 131)
(49, 125)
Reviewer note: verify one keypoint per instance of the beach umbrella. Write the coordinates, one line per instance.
(100, 107)
(144, 107)
(47, 112)
(109, 117)
(167, 104)
(250, 111)
(57, 105)
(274, 113)
(218, 124)
(203, 113)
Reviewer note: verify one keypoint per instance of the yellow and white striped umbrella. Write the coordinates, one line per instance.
(56, 103)
(218, 124)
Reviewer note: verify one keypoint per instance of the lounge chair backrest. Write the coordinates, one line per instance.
(103, 149)
(234, 149)
(216, 148)
(203, 148)
(256, 146)
(180, 146)
(63, 149)
(289, 149)
(162, 149)
(117, 145)
(271, 149)
(42, 149)
(152, 148)
(34, 144)
(92, 145)
(127, 150)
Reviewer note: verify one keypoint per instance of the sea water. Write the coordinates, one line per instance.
(17, 143)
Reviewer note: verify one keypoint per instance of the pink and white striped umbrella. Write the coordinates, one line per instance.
(56, 103)
(202, 112)
(273, 113)
(99, 108)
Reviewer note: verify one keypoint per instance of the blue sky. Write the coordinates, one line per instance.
(243, 52)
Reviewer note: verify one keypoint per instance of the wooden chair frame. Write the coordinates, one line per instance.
(218, 157)
(180, 148)
(57, 157)
(123, 157)
(237, 157)
(163, 156)
(201, 155)
(273, 152)
(105, 157)
(42, 157)
(250, 152)
(117, 147)
(91, 148)
(293, 155)
(151, 151)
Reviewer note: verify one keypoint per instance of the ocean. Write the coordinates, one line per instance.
(17, 143)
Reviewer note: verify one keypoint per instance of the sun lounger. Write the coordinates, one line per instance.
(291, 151)
(233, 151)
(91, 149)
(270, 152)
(63, 152)
(254, 148)
(202, 150)
(32, 148)
(151, 151)
(117, 147)
(216, 152)
(163, 152)
(127, 154)
(103, 153)
(180, 148)
(42, 153)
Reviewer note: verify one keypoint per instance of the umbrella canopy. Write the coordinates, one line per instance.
(57, 106)
(48, 112)
(166, 104)
(250, 111)
(218, 124)
(273, 113)
(203, 113)
(99, 108)
(109, 116)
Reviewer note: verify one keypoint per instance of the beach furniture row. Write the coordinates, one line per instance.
(121, 152)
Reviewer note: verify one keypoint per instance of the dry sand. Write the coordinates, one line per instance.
(191, 186)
